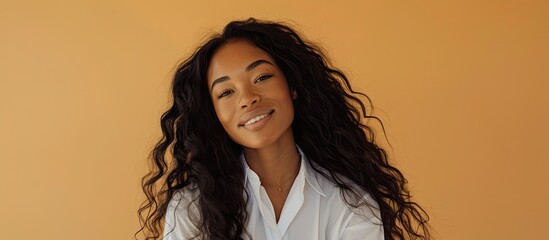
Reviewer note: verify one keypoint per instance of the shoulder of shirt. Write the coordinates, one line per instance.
(184, 198)
(326, 187)
(368, 207)
(182, 214)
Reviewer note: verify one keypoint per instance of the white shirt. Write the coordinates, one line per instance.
(314, 209)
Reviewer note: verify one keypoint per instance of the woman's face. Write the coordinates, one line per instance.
(250, 95)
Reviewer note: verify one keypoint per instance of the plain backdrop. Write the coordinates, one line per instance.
(460, 85)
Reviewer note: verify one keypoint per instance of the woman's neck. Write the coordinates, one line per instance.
(276, 164)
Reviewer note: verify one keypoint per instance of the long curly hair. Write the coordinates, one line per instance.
(329, 126)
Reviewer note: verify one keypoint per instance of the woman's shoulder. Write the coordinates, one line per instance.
(184, 198)
(347, 213)
(182, 214)
(340, 199)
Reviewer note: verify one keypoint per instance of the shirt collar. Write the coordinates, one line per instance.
(310, 175)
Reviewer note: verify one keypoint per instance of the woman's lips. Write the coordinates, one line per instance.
(258, 121)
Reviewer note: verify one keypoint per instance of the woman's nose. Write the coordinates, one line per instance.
(248, 98)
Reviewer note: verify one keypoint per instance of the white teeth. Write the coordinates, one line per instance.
(255, 119)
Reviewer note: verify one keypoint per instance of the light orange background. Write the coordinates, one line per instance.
(462, 88)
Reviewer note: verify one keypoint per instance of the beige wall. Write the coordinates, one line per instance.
(462, 88)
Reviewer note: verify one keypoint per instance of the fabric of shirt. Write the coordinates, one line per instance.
(314, 209)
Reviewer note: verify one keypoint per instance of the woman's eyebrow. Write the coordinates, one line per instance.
(256, 63)
(219, 80)
(248, 68)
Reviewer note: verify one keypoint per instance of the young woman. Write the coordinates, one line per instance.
(265, 140)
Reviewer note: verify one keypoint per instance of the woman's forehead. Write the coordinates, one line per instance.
(233, 57)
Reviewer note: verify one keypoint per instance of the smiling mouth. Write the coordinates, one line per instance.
(256, 119)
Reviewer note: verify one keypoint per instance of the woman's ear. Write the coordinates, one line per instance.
(294, 94)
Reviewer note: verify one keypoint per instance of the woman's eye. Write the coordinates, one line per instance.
(224, 93)
(263, 77)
